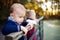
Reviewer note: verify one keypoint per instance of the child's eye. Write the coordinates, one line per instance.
(20, 17)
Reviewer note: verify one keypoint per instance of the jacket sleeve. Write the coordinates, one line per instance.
(10, 28)
(24, 23)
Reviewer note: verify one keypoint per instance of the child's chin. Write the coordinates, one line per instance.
(19, 22)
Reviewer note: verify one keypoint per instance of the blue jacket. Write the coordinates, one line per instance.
(11, 26)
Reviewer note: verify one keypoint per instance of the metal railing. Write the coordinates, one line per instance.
(38, 32)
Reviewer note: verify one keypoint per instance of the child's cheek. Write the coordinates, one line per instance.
(20, 20)
(17, 20)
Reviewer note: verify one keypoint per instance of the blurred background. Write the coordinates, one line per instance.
(50, 9)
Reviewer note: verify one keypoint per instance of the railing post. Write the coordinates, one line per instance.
(41, 29)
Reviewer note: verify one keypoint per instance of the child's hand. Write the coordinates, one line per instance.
(30, 25)
(24, 30)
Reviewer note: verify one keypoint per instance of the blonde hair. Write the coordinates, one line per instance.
(17, 5)
(31, 14)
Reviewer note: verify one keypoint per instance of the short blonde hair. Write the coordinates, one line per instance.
(31, 13)
(17, 5)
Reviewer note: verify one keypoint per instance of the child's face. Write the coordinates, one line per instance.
(31, 14)
(18, 12)
(19, 19)
(19, 15)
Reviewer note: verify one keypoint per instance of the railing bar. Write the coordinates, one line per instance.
(41, 18)
(21, 34)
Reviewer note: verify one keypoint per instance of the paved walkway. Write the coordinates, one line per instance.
(51, 30)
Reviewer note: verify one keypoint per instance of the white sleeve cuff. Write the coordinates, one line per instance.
(31, 21)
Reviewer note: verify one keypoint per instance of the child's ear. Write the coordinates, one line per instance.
(11, 14)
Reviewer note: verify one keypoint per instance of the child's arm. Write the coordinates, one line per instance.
(31, 21)
(24, 29)
(30, 25)
(11, 27)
